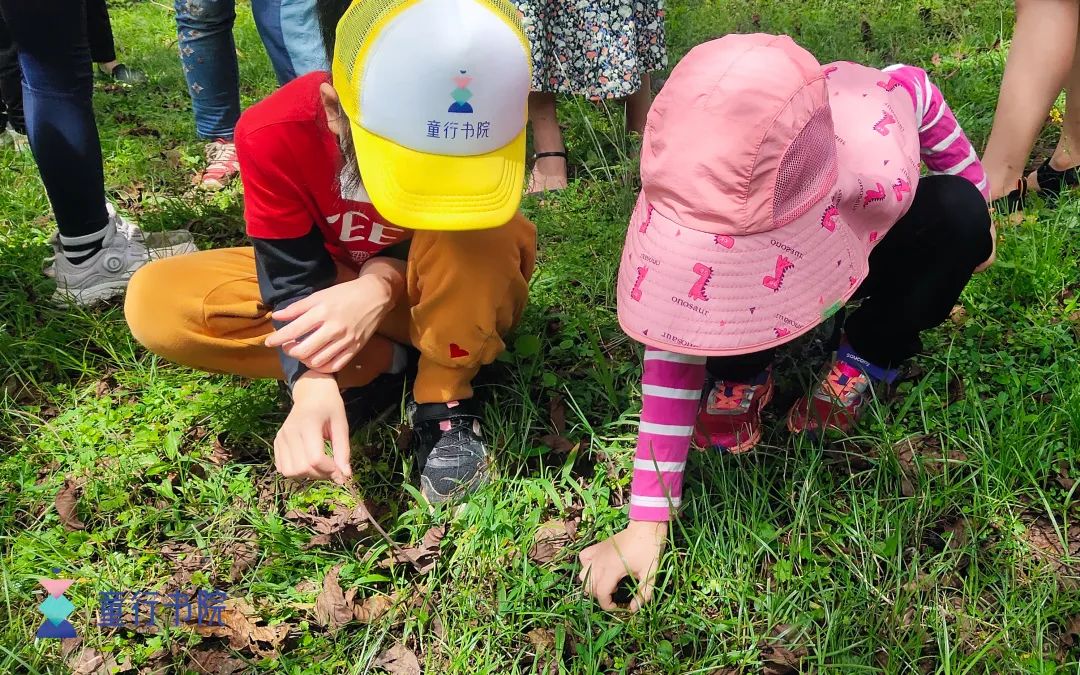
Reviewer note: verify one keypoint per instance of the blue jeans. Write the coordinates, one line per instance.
(57, 82)
(289, 30)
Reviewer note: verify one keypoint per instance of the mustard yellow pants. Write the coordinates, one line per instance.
(465, 291)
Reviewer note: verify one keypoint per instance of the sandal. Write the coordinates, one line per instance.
(122, 74)
(542, 155)
(1052, 182)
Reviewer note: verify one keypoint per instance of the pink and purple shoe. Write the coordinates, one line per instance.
(841, 397)
(730, 416)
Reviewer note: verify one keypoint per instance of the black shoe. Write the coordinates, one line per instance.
(122, 74)
(449, 449)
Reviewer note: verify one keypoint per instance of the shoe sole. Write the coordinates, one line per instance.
(91, 296)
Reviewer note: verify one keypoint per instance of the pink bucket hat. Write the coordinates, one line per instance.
(739, 240)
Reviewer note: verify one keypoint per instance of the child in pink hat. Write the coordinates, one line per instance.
(774, 190)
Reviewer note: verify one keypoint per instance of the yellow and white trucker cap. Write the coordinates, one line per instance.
(436, 92)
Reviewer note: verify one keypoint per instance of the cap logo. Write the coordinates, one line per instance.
(461, 94)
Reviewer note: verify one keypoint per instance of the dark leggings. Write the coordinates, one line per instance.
(50, 37)
(917, 273)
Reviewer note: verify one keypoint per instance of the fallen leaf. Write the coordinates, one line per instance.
(557, 443)
(67, 502)
(214, 662)
(347, 522)
(956, 389)
(542, 639)
(331, 608)
(104, 386)
(398, 660)
(550, 538)
(403, 440)
(240, 626)
(424, 555)
(936, 59)
(185, 559)
(1048, 549)
(245, 553)
(90, 661)
(777, 660)
(958, 315)
(1062, 476)
(219, 454)
(174, 158)
(558, 414)
(373, 608)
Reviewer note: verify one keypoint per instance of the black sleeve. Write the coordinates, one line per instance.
(289, 270)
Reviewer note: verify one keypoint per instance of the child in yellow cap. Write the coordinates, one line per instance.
(419, 137)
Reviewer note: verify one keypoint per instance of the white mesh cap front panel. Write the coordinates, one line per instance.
(446, 77)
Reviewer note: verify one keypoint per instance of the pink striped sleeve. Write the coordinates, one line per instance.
(945, 148)
(671, 392)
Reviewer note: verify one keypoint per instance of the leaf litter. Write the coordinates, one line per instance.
(67, 502)
(551, 538)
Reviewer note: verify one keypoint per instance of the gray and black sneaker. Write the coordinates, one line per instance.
(451, 454)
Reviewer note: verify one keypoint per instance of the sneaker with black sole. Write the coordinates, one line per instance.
(449, 449)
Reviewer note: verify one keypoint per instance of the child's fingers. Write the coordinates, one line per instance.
(644, 592)
(294, 310)
(339, 441)
(297, 329)
(311, 344)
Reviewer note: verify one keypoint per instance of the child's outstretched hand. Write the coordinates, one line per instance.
(634, 552)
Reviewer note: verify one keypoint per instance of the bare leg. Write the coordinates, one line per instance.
(637, 106)
(1044, 41)
(549, 173)
(1067, 153)
(108, 66)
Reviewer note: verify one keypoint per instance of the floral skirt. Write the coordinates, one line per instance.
(594, 49)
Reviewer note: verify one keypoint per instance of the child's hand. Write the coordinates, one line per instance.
(633, 552)
(318, 414)
(328, 328)
(993, 250)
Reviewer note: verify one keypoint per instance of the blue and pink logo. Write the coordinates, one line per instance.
(56, 609)
(461, 94)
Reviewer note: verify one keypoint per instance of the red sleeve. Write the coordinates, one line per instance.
(275, 203)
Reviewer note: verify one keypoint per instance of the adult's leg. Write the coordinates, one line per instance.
(548, 173)
(1067, 153)
(466, 291)
(50, 36)
(208, 54)
(99, 32)
(637, 106)
(11, 107)
(1040, 57)
(290, 32)
(919, 269)
(204, 310)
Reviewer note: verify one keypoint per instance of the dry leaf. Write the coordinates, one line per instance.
(373, 608)
(398, 660)
(214, 662)
(245, 553)
(558, 414)
(550, 538)
(936, 59)
(542, 639)
(104, 386)
(958, 315)
(1046, 546)
(347, 522)
(1062, 477)
(331, 608)
(424, 555)
(777, 660)
(557, 443)
(173, 157)
(220, 454)
(90, 661)
(67, 501)
(240, 626)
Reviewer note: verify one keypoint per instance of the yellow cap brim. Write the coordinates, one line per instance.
(422, 191)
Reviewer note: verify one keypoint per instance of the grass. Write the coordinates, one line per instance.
(944, 538)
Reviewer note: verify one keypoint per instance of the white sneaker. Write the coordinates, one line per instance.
(13, 139)
(124, 250)
(158, 244)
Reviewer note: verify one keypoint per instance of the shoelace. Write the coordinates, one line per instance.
(223, 153)
(731, 398)
(844, 383)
